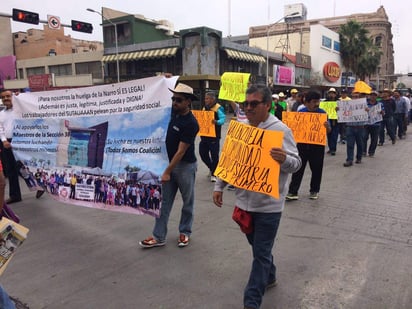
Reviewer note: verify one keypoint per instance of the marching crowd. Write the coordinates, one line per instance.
(257, 214)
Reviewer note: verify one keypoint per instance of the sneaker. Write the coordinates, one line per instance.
(332, 153)
(292, 197)
(380, 144)
(272, 284)
(393, 141)
(358, 161)
(314, 195)
(151, 242)
(231, 188)
(348, 163)
(183, 240)
(213, 179)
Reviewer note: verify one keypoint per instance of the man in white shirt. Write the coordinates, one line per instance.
(7, 157)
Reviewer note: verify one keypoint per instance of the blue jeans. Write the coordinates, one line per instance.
(389, 124)
(5, 301)
(182, 178)
(373, 131)
(399, 124)
(354, 134)
(263, 270)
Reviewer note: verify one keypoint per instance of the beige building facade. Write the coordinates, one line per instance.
(294, 37)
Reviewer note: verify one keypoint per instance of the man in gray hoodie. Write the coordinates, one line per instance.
(264, 210)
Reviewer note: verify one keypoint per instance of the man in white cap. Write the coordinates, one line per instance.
(333, 134)
(282, 101)
(276, 109)
(181, 171)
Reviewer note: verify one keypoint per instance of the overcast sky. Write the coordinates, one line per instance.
(215, 14)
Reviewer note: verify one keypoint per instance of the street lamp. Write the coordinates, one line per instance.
(115, 38)
(267, 42)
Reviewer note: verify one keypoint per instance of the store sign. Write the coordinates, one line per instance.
(40, 81)
(331, 71)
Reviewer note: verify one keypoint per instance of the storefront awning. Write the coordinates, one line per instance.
(240, 55)
(141, 55)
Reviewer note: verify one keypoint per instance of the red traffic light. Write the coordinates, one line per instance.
(81, 26)
(25, 16)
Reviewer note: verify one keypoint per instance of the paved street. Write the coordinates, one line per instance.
(352, 248)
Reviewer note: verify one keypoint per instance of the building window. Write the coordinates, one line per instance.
(378, 41)
(61, 70)
(326, 42)
(35, 71)
(336, 46)
(124, 34)
(94, 68)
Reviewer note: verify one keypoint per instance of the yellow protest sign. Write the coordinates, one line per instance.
(330, 108)
(205, 121)
(233, 86)
(307, 128)
(245, 161)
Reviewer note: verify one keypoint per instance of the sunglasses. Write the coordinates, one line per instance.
(252, 104)
(178, 100)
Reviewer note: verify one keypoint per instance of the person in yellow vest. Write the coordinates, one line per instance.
(209, 147)
(333, 134)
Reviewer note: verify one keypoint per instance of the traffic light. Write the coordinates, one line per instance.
(81, 26)
(25, 16)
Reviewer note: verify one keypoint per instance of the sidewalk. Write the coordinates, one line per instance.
(351, 248)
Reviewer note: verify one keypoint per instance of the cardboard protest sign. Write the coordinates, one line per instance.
(205, 121)
(233, 86)
(330, 108)
(245, 161)
(307, 128)
(352, 111)
(375, 113)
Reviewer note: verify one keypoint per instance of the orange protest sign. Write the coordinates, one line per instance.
(245, 161)
(307, 128)
(205, 121)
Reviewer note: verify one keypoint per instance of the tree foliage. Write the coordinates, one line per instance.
(359, 54)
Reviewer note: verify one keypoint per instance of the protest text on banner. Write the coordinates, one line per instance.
(307, 128)
(330, 108)
(245, 161)
(205, 121)
(233, 86)
(352, 111)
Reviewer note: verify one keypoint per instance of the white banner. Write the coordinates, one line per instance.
(113, 134)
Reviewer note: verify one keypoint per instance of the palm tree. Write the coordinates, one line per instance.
(369, 61)
(353, 45)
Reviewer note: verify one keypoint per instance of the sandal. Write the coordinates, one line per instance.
(151, 242)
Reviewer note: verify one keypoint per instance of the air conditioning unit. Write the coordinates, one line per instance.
(167, 26)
